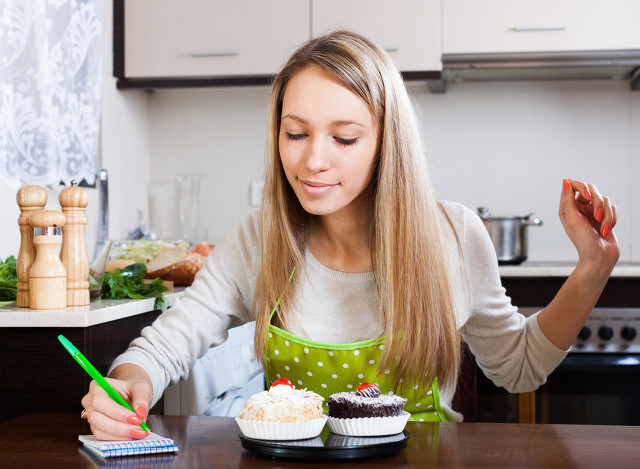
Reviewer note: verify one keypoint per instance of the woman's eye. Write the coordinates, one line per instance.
(346, 141)
(291, 136)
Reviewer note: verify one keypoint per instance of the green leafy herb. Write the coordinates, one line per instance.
(8, 279)
(129, 283)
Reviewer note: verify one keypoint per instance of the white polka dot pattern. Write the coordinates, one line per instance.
(327, 371)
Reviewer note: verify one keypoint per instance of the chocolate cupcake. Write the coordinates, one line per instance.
(366, 412)
(367, 401)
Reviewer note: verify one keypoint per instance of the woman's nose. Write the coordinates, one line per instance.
(317, 155)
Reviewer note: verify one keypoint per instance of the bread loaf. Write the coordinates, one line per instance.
(176, 264)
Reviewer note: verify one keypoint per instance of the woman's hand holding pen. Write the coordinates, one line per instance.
(108, 419)
(588, 219)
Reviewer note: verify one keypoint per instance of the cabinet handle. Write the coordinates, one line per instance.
(520, 29)
(391, 49)
(215, 53)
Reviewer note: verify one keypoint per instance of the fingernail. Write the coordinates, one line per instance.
(138, 433)
(587, 194)
(142, 412)
(565, 185)
(599, 214)
(134, 420)
(605, 230)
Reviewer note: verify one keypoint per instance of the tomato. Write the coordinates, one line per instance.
(203, 249)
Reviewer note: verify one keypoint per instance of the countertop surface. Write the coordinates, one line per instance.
(51, 440)
(97, 312)
(561, 269)
(102, 311)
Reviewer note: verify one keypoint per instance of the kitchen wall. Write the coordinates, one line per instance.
(503, 144)
(507, 145)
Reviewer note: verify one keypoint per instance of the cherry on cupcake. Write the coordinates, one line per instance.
(282, 381)
(364, 386)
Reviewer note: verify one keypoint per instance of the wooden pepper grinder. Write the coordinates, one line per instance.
(73, 255)
(47, 277)
(30, 199)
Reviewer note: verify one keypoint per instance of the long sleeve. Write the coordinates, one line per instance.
(510, 349)
(219, 299)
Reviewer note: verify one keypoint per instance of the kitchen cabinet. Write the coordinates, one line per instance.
(409, 30)
(504, 26)
(170, 44)
(204, 38)
(38, 375)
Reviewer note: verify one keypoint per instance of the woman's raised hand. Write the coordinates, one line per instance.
(588, 219)
(111, 421)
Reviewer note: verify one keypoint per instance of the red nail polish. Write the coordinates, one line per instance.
(142, 412)
(565, 185)
(138, 433)
(587, 194)
(599, 214)
(134, 420)
(605, 230)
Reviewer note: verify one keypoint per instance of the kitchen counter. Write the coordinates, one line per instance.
(561, 269)
(98, 312)
(51, 440)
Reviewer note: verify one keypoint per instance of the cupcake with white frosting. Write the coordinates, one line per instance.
(282, 413)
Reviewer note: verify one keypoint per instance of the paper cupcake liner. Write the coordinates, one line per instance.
(369, 426)
(263, 430)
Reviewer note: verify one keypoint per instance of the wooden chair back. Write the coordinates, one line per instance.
(465, 399)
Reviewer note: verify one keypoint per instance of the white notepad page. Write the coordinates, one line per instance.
(151, 444)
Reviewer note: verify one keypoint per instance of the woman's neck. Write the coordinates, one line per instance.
(341, 242)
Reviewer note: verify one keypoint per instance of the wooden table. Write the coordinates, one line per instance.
(50, 440)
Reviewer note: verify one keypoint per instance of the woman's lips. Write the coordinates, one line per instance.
(316, 188)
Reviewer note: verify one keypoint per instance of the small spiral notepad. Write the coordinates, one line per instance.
(152, 444)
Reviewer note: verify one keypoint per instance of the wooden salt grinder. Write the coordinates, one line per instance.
(47, 277)
(73, 255)
(30, 199)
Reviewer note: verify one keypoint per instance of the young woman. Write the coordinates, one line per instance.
(352, 270)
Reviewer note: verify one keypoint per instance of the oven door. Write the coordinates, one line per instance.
(590, 389)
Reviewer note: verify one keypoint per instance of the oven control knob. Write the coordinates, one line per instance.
(628, 333)
(585, 333)
(605, 332)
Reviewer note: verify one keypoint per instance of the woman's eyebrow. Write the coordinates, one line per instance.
(295, 118)
(337, 123)
(346, 122)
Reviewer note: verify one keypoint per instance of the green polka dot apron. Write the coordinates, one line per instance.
(328, 368)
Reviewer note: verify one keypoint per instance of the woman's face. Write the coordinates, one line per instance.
(328, 143)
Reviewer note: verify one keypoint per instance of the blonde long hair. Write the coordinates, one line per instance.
(409, 254)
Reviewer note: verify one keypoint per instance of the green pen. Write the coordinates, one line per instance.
(97, 377)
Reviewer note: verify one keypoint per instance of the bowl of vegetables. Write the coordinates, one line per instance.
(177, 261)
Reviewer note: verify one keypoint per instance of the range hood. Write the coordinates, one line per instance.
(611, 64)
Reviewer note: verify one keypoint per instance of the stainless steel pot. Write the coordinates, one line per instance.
(509, 235)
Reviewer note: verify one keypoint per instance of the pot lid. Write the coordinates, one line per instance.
(485, 214)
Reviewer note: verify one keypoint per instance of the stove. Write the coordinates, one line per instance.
(599, 380)
(606, 330)
(610, 330)
(596, 384)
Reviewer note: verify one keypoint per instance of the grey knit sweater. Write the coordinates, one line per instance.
(511, 350)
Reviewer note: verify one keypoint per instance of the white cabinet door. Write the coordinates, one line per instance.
(205, 38)
(408, 29)
(494, 26)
